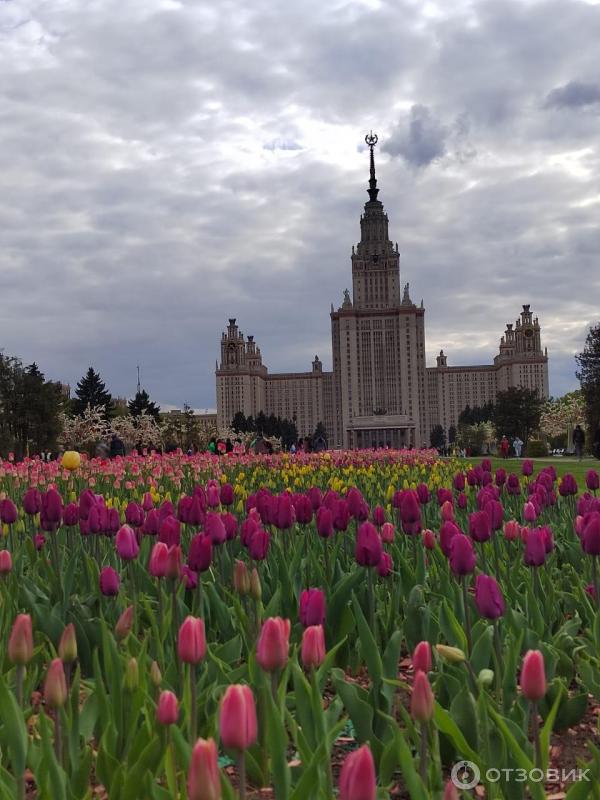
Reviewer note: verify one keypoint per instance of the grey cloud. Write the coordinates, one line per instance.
(282, 144)
(147, 195)
(574, 94)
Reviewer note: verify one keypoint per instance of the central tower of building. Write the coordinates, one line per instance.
(378, 340)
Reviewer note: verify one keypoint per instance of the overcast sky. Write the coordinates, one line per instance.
(167, 164)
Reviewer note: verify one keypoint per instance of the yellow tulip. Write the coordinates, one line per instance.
(71, 460)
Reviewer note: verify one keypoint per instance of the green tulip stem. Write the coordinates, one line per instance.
(133, 595)
(371, 589)
(199, 597)
(241, 765)
(193, 703)
(499, 661)
(496, 547)
(595, 578)
(19, 684)
(535, 725)
(423, 753)
(326, 546)
(465, 593)
(58, 736)
(274, 686)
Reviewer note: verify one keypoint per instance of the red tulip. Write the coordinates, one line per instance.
(324, 522)
(124, 623)
(462, 557)
(385, 566)
(109, 582)
(5, 562)
(200, 552)
(488, 597)
(312, 607)
(368, 547)
(592, 480)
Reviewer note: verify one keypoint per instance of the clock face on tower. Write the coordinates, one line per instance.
(528, 333)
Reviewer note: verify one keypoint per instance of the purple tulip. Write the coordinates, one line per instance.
(258, 546)
(151, 523)
(480, 526)
(592, 480)
(284, 514)
(169, 531)
(214, 527)
(448, 531)
(195, 511)
(590, 538)
(410, 514)
(126, 543)
(500, 476)
(462, 556)
(200, 552)
(535, 548)
(315, 497)
(354, 499)
(189, 578)
(71, 515)
(247, 530)
(459, 481)
(312, 607)
(109, 582)
(462, 501)
(495, 511)
(183, 509)
(368, 546)
(568, 485)
(488, 597)
(324, 522)
(227, 495)
(527, 468)
(231, 525)
(443, 494)
(423, 494)
(8, 512)
(87, 500)
(134, 514)
(385, 566)
(341, 516)
(32, 502)
(304, 509)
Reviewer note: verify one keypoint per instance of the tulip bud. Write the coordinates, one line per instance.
(126, 543)
(191, 641)
(357, 776)
(313, 646)
(421, 701)
(533, 676)
(486, 677)
(157, 566)
(167, 711)
(429, 539)
(124, 624)
(67, 647)
(237, 718)
(421, 658)
(241, 579)
(155, 674)
(452, 654)
(451, 792)
(312, 607)
(255, 587)
(512, 530)
(132, 675)
(55, 686)
(273, 644)
(204, 780)
(20, 643)
(388, 533)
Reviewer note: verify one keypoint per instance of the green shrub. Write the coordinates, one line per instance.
(536, 449)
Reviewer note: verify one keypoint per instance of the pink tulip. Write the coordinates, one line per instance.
(357, 776)
(313, 647)
(237, 719)
(533, 676)
(272, 649)
(204, 778)
(422, 700)
(191, 641)
(126, 543)
(167, 711)
(157, 566)
(421, 657)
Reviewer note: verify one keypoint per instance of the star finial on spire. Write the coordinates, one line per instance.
(371, 140)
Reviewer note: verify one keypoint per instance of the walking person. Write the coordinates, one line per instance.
(578, 441)
(517, 446)
(504, 447)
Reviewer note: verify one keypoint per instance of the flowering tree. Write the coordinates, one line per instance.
(560, 415)
(85, 430)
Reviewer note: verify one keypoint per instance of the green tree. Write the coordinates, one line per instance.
(437, 437)
(91, 391)
(141, 403)
(588, 375)
(517, 412)
(30, 408)
(320, 432)
(451, 434)
(240, 423)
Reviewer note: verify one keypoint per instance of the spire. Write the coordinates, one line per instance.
(371, 140)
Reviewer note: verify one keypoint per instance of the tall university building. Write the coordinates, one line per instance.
(380, 391)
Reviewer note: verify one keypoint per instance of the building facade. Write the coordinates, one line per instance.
(380, 391)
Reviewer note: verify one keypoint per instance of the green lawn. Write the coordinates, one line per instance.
(561, 465)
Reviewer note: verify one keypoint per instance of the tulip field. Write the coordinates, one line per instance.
(347, 625)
